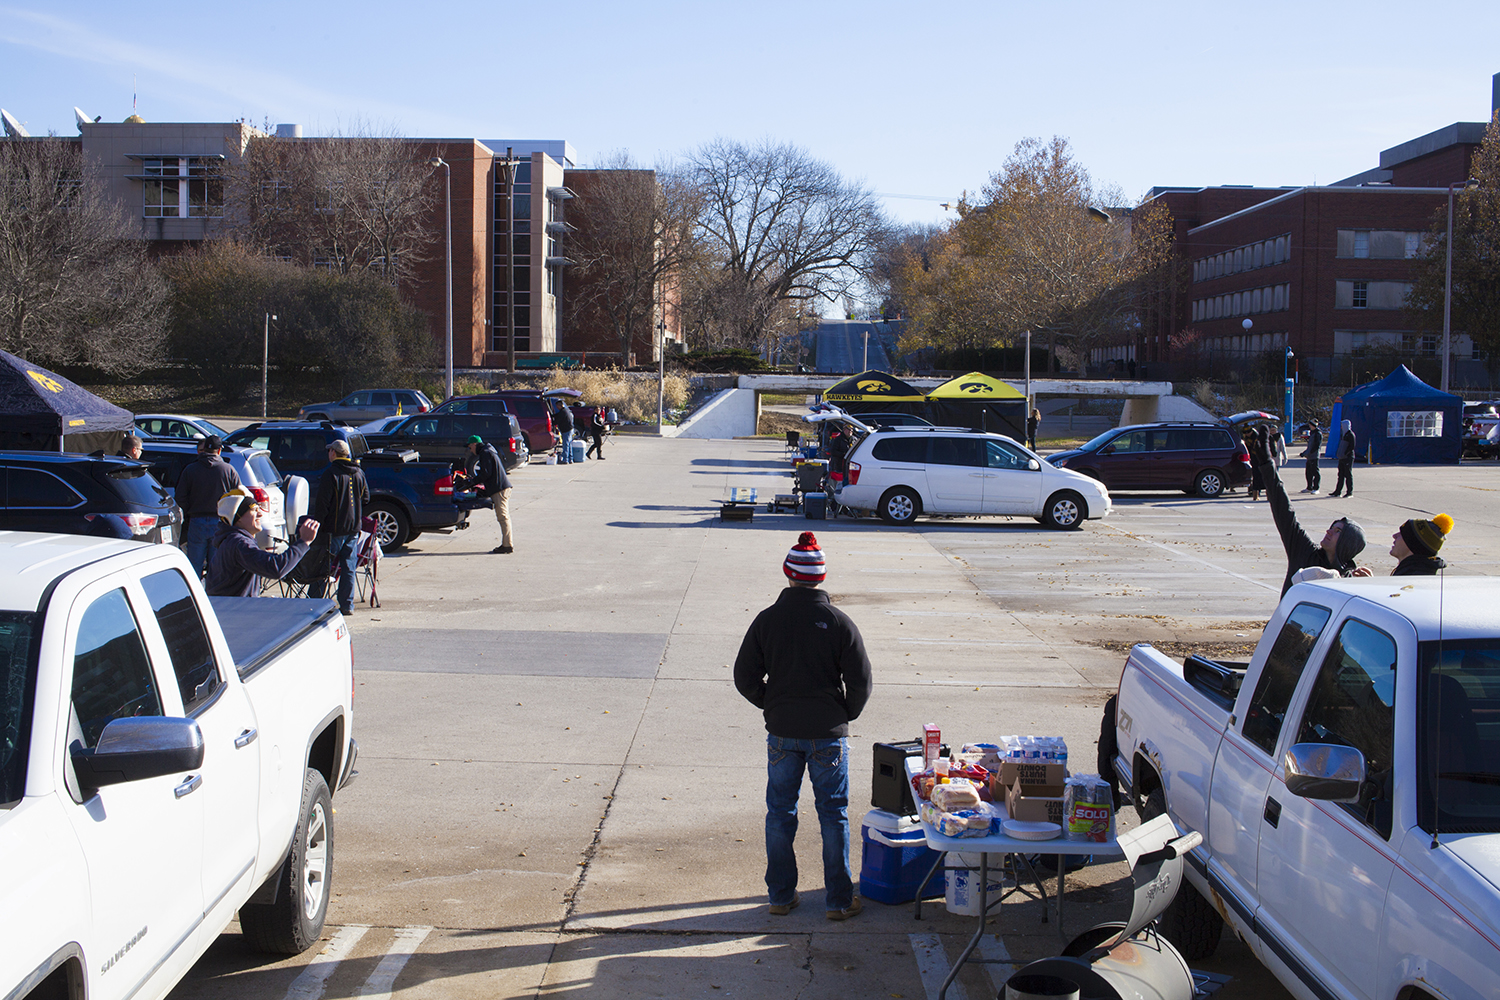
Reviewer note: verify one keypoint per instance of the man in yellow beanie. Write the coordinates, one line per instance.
(1415, 546)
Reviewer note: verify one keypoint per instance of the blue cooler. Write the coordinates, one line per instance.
(896, 859)
(815, 506)
(580, 450)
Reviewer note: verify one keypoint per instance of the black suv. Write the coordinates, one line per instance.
(1190, 456)
(298, 445)
(84, 495)
(444, 436)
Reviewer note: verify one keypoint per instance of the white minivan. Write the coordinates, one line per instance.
(902, 472)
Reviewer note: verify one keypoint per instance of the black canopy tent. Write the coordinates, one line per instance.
(42, 411)
(876, 392)
(979, 401)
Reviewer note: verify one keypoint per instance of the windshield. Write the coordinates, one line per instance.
(17, 685)
(265, 471)
(1458, 744)
(135, 484)
(1100, 441)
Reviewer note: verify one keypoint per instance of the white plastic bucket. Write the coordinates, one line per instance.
(962, 895)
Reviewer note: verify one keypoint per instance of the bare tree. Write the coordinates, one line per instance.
(344, 203)
(781, 227)
(76, 286)
(634, 238)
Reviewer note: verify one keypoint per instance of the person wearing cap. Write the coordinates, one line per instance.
(803, 664)
(1416, 543)
(238, 562)
(1334, 554)
(340, 509)
(1345, 458)
(488, 473)
(199, 488)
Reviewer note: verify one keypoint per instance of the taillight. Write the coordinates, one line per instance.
(443, 487)
(138, 524)
(421, 407)
(852, 477)
(513, 448)
(260, 495)
(1244, 457)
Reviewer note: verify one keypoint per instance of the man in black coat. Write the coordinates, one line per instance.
(564, 420)
(1310, 469)
(340, 506)
(488, 473)
(1343, 540)
(1345, 458)
(198, 491)
(803, 664)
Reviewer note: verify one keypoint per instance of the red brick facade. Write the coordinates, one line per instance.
(472, 167)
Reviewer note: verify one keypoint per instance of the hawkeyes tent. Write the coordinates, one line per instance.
(976, 400)
(42, 411)
(875, 392)
(1401, 420)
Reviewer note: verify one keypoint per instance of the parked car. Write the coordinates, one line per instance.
(1201, 457)
(380, 425)
(299, 445)
(168, 760)
(285, 497)
(903, 472)
(85, 495)
(175, 425)
(532, 408)
(444, 436)
(367, 404)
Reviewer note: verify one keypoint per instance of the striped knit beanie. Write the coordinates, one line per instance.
(1424, 538)
(804, 563)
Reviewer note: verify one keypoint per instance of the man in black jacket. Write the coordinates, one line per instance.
(488, 473)
(1311, 470)
(1343, 540)
(1345, 458)
(198, 491)
(803, 664)
(342, 495)
(564, 420)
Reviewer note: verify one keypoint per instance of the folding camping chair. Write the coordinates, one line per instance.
(311, 568)
(793, 443)
(367, 565)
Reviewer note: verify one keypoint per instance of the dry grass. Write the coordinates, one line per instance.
(633, 394)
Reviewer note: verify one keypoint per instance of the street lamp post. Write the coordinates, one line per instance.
(438, 161)
(1448, 280)
(265, 363)
(1290, 382)
(661, 367)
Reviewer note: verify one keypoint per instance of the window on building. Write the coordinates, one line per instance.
(160, 198)
(1359, 297)
(1361, 244)
(1413, 244)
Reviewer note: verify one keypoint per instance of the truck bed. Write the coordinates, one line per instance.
(258, 629)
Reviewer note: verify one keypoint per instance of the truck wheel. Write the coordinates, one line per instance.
(392, 528)
(1064, 509)
(900, 506)
(1190, 922)
(294, 922)
(1210, 483)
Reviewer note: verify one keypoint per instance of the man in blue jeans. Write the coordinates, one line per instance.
(803, 664)
(340, 506)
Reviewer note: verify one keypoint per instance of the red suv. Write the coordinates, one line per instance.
(532, 411)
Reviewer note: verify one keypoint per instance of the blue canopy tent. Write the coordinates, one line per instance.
(42, 411)
(1401, 420)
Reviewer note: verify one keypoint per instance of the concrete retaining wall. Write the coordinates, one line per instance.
(730, 414)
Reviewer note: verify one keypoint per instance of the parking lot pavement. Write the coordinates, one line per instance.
(561, 792)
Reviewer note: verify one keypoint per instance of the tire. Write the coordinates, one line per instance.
(900, 506)
(1065, 510)
(1190, 922)
(294, 922)
(392, 526)
(1210, 483)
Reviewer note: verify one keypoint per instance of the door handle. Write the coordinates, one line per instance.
(246, 738)
(189, 786)
(1273, 812)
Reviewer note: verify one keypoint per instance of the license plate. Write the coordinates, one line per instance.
(166, 534)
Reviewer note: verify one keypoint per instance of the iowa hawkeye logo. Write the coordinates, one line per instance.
(975, 387)
(872, 385)
(50, 384)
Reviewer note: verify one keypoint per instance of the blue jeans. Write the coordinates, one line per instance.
(567, 448)
(343, 555)
(827, 764)
(197, 539)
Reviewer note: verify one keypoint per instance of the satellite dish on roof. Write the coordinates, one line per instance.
(13, 128)
(82, 116)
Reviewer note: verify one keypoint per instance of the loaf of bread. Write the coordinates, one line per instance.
(955, 796)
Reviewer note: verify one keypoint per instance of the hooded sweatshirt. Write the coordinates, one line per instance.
(1301, 550)
(238, 561)
(1415, 565)
(1346, 442)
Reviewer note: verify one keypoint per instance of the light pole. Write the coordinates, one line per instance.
(438, 161)
(1290, 382)
(661, 366)
(1448, 279)
(265, 363)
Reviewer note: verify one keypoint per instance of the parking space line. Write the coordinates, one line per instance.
(999, 966)
(932, 965)
(408, 940)
(314, 979)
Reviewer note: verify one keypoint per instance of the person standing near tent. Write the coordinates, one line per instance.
(1031, 422)
(1310, 469)
(1345, 458)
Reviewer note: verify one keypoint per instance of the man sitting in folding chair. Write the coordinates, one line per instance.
(238, 562)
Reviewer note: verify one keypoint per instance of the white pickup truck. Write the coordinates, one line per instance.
(1346, 782)
(165, 760)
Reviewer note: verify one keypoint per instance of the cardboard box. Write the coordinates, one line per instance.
(1035, 803)
(1033, 774)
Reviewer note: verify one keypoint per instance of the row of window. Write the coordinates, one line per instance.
(1263, 253)
(1380, 244)
(520, 260)
(1272, 298)
(1370, 294)
(182, 187)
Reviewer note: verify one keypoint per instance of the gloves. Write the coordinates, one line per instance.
(1259, 444)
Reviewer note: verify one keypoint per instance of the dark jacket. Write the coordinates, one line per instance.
(803, 664)
(1302, 551)
(203, 483)
(238, 561)
(563, 418)
(1314, 444)
(1415, 565)
(1346, 448)
(342, 495)
(487, 471)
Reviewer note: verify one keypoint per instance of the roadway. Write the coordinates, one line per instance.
(560, 791)
(841, 349)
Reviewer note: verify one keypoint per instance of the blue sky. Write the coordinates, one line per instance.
(915, 100)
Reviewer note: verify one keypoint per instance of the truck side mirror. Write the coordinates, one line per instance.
(139, 747)
(1324, 771)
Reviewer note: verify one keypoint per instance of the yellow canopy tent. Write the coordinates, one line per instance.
(875, 392)
(979, 401)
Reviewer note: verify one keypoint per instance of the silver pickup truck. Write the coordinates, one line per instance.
(1346, 781)
(165, 761)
